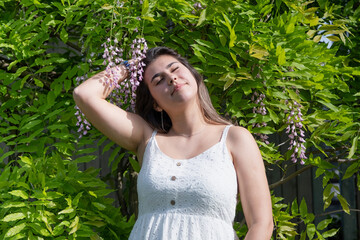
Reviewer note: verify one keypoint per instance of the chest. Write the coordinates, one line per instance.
(209, 173)
(182, 148)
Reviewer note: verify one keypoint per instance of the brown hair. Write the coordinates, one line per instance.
(144, 105)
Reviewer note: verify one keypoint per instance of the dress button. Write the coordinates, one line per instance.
(178, 164)
(173, 178)
(172, 202)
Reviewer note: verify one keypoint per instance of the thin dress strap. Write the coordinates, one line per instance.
(225, 132)
(153, 134)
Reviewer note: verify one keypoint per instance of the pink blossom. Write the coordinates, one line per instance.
(295, 132)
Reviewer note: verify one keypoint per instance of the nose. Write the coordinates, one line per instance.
(172, 80)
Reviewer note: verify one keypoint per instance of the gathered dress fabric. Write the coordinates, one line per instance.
(186, 199)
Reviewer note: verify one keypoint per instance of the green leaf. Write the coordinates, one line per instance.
(13, 204)
(232, 35)
(76, 199)
(106, 6)
(229, 82)
(19, 72)
(273, 115)
(207, 44)
(99, 206)
(13, 217)
(353, 147)
(327, 201)
(329, 105)
(202, 17)
(303, 208)
(280, 52)
(74, 225)
(351, 170)
(38, 83)
(344, 203)
(324, 223)
(39, 229)
(20, 193)
(114, 153)
(66, 211)
(294, 208)
(95, 223)
(50, 98)
(330, 233)
(134, 164)
(5, 155)
(229, 77)
(145, 8)
(263, 130)
(45, 69)
(85, 159)
(317, 38)
(310, 230)
(319, 172)
(333, 38)
(258, 52)
(64, 35)
(31, 124)
(15, 230)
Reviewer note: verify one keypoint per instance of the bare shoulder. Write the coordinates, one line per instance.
(243, 146)
(238, 135)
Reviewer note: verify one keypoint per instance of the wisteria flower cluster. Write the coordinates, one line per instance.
(260, 109)
(198, 5)
(82, 123)
(138, 50)
(295, 132)
(125, 92)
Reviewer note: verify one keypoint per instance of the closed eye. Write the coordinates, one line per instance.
(175, 69)
(160, 80)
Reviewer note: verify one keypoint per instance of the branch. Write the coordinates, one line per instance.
(336, 211)
(348, 160)
(284, 180)
(298, 172)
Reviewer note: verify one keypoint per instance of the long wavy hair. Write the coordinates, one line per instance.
(144, 105)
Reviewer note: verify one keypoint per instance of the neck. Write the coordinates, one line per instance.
(188, 123)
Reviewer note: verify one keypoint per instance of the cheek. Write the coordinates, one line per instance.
(157, 93)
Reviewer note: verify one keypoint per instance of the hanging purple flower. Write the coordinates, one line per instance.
(82, 123)
(260, 109)
(125, 92)
(295, 132)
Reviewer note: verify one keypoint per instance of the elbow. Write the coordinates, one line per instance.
(264, 227)
(78, 95)
(268, 227)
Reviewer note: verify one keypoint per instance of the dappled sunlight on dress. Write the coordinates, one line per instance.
(186, 199)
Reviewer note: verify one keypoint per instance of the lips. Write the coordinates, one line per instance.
(176, 88)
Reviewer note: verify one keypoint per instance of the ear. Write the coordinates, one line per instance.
(157, 107)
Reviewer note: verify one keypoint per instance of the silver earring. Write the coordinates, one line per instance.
(162, 121)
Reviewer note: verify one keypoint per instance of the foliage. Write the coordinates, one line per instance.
(274, 48)
(49, 198)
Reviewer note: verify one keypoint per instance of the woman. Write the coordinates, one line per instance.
(194, 163)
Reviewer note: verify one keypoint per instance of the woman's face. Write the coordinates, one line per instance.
(170, 83)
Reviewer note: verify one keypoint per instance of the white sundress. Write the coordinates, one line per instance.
(189, 199)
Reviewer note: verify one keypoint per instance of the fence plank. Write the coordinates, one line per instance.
(348, 191)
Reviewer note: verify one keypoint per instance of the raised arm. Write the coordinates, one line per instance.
(124, 128)
(253, 186)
